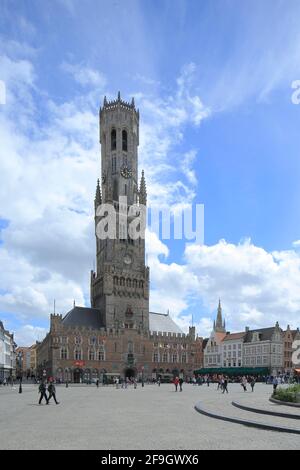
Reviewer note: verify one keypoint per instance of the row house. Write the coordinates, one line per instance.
(7, 354)
(271, 348)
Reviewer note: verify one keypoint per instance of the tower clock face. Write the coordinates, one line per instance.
(126, 172)
(127, 259)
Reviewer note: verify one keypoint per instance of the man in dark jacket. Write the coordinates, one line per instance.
(42, 391)
(52, 393)
(180, 383)
(225, 385)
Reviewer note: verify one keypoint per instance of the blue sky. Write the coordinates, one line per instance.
(213, 81)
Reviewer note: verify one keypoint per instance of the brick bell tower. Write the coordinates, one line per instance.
(120, 285)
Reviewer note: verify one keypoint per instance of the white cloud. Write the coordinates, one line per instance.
(145, 80)
(254, 285)
(85, 76)
(28, 335)
(187, 166)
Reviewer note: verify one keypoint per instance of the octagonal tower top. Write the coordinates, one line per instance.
(118, 104)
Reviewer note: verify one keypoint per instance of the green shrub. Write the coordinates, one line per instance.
(290, 394)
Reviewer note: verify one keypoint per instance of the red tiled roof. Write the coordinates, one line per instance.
(219, 336)
(232, 336)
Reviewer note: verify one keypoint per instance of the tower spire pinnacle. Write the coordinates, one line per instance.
(143, 190)
(98, 197)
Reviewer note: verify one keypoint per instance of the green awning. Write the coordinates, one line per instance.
(232, 371)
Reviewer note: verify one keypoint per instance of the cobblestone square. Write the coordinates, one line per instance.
(146, 418)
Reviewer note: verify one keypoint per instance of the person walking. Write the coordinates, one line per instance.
(52, 393)
(158, 381)
(244, 383)
(225, 385)
(275, 383)
(176, 382)
(252, 384)
(97, 383)
(180, 383)
(42, 391)
(220, 383)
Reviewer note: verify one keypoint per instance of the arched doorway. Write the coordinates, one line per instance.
(129, 372)
(77, 376)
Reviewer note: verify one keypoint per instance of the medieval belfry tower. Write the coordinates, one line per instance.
(120, 284)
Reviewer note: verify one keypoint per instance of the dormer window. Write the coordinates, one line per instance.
(255, 336)
(113, 139)
(124, 141)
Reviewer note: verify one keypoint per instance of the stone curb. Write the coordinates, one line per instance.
(245, 422)
(265, 412)
(285, 403)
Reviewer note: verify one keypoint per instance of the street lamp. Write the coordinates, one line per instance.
(20, 359)
(143, 376)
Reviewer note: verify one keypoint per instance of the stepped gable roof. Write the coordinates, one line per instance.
(84, 316)
(162, 322)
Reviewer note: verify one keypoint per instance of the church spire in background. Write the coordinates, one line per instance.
(219, 325)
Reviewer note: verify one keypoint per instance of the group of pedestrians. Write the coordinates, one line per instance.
(223, 384)
(124, 383)
(178, 381)
(7, 381)
(248, 381)
(43, 392)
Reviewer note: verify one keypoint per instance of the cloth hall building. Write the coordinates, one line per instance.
(118, 335)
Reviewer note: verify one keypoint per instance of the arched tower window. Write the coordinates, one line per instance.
(113, 138)
(124, 141)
